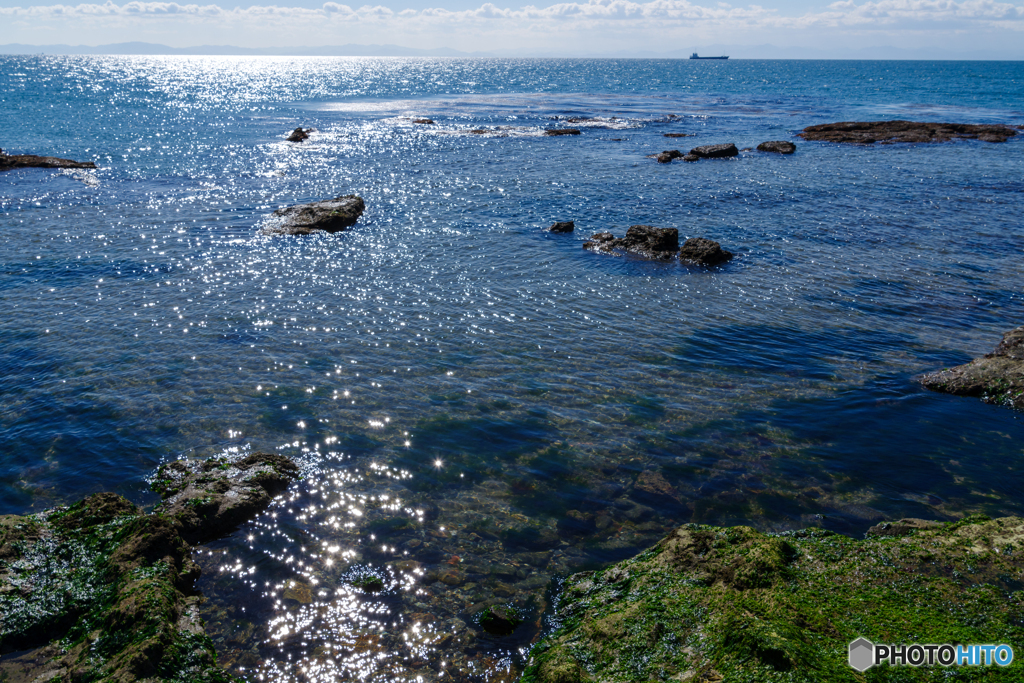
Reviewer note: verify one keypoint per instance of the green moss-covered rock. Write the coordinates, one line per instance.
(994, 378)
(736, 605)
(103, 589)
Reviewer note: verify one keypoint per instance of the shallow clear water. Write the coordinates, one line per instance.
(478, 405)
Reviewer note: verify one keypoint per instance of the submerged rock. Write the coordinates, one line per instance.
(9, 162)
(330, 215)
(887, 132)
(997, 377)
(703, 252)
(715, 151)
(777, 146)
(678, 135)
(562, 131)
(642, 240)
(500, 620)
(298, 135)
(562, 227)
(102, 591)
(722, 604)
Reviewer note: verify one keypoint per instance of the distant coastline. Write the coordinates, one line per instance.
(354, 50)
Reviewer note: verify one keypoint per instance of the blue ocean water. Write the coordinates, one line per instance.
(480, 406)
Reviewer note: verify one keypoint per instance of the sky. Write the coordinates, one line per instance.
(927, 28)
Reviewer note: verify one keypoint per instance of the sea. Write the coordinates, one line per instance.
(481, 407)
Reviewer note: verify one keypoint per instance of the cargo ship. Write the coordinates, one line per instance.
(695, 56)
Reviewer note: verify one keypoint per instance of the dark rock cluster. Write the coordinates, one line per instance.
(299, 134)
(660, 243)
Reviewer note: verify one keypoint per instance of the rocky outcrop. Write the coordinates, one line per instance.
(997, 377)
(703, 252)
(642, 240)
(331, 215)
(425, 122)
(210, 498)
(667, 156)
(10, 162)
(101, 591)
(730, 604)
(678, 135)
(299, 134)
(562, 131)
(777, 146)
(715, 151)
(888, 132)
(562, 227)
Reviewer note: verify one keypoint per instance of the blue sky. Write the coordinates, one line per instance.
(954, 27)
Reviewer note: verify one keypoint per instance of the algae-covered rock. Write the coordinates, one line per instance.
(733, 604)
(212, 497)
(100, 592)
(997, 377)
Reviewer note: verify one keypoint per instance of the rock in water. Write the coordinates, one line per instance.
(425, 122)
(562, 131)
(783, 607)
(995, 378)
(298, 135)
(500, 620)
(9, 162)
(331, 215)
(887, 132)
(703, 252)
(715, 151)
(563, 227)
(668, 155)
(777, 146)
(642, 240)
(212, 497)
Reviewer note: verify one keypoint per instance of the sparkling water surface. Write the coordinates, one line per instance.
(479, 406)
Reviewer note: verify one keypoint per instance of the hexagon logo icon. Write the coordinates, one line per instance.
(862, 654)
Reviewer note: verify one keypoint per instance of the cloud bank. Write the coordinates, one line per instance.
(655, 24)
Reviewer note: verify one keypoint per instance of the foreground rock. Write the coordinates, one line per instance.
(331, 215)
(298, 135)
(777, 146)
(715, 151)
(703, 252)
(888, 132)
(732, 604)
(100, 591)
(994, 378)
(10, 162)
(562, 227)
(211, 497)
(642, 240)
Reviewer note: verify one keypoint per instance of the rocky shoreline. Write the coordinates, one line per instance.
(716, 604)
(101, 591)
(997, 377)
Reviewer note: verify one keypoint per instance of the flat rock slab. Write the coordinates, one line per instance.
(562, 131)
(10, 162)
(331, 215)
(734, 604)
(715, 151)
(212, 497)
(888, 132)
(994, 378)
(777, 146)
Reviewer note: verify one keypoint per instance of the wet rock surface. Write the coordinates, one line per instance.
(887, 132)
(10, 162)
(424, 122)
(642, 240)
(720, 151)
(719, 604)
(668, 155)
(331, 215)
(102, 591)
(211, 497)
(703, 252)
(299, 134)
(562, 131)
(997, 377)
(562, 227)
(777, 146)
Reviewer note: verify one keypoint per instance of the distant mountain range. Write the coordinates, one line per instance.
(350, 50)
